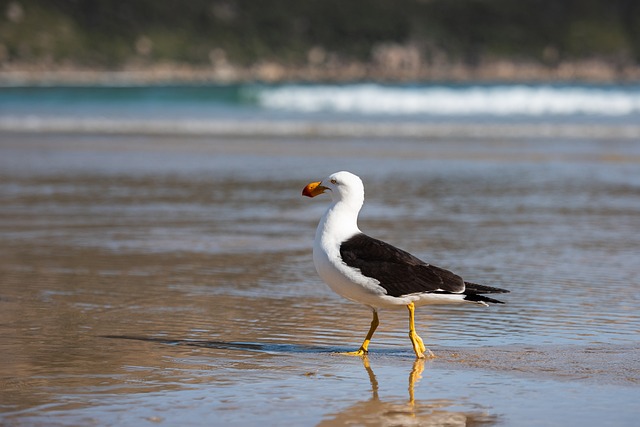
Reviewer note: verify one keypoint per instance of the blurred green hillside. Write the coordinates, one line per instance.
(107, 34)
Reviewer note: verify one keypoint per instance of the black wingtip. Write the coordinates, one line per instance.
(482, 289)
(481, 299)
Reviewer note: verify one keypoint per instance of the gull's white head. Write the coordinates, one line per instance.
(343, 186)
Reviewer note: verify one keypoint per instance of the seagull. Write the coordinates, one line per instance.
(369, 271)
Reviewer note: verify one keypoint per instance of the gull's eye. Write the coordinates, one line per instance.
(334, 181)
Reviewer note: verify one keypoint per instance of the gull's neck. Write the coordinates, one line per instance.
(339, 222)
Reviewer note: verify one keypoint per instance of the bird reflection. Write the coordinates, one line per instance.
(412, 412)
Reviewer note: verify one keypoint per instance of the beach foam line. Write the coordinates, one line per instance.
(490, 100)
(300, 128)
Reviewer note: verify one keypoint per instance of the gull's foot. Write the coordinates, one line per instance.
(420, 343)
(421, 351)
(360, 352)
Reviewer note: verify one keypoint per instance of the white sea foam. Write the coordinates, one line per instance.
(517, 100)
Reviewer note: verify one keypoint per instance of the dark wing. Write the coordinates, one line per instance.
(399, 272)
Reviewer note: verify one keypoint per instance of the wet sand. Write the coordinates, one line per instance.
(150, 280)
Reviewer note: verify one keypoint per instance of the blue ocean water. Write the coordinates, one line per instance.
(286, 109)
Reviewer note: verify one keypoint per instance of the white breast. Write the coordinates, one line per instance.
(344, 280)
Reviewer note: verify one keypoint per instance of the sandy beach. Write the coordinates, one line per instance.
(156, 280)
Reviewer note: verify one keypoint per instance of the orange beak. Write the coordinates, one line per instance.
(313, 189)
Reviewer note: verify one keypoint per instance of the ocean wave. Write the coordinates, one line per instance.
(499, 100)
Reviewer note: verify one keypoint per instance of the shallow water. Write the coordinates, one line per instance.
(165, 280)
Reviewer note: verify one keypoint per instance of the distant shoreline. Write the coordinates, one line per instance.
(498, 71)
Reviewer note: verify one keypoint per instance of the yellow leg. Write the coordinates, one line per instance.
(364, 348)
(418, 345)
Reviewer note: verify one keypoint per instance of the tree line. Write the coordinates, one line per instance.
(107, 33)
